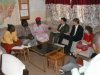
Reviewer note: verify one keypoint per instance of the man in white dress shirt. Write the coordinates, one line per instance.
(75, 35)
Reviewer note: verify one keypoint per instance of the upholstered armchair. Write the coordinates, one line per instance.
(12, 65)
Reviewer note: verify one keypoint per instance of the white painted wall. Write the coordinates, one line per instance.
(37, 8)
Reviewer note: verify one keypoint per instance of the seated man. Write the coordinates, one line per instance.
(39, 31)
(24, 33)
(62, 28)
(75, 35)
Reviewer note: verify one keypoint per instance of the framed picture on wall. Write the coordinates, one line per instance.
(24, 9)
(24, 1)
(24, 13)
(24, 6)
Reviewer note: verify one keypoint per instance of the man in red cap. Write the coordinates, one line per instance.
(37, 19)
(39, 31)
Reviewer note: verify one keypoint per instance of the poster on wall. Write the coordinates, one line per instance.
(6, 9)
(24, 9)
(24, 6)
(24, 13)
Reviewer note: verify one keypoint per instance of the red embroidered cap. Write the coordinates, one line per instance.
(38, 18)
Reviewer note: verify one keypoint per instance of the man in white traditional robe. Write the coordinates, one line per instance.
(39, 31)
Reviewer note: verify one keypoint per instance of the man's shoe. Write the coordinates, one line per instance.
(61, 72)
(67, 53)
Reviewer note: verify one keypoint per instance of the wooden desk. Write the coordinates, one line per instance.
(44, 52)
(22, 52)
(56, 59)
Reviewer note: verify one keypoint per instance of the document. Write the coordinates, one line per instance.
(18, 47)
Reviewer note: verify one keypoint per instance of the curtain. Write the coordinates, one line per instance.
(82, 2)
(88, 14)
(95, 1)
(73, 2)
(57, 1)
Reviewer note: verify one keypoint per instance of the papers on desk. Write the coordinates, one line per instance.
(56, 32)
(21, 47)
(18, 47)
(27, 46)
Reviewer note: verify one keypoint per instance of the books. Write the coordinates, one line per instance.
(21, 47)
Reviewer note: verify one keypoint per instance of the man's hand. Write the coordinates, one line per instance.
(49, 28)
(30, 36)
(18, 43)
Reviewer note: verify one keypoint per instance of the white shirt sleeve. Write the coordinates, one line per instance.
(93, 69)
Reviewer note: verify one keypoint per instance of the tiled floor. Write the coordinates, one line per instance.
(38, 60)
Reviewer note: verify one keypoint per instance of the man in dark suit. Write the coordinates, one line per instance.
(75, 35)
(62, 28)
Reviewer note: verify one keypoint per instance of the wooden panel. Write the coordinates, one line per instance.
(24, 1)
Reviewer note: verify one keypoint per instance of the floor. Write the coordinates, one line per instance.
(35, 59)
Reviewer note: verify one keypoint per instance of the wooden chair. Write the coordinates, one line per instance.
(56, 59)
(24, 53)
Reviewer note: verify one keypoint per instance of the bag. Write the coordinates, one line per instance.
(81, 46)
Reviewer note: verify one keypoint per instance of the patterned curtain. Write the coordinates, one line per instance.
(6, 8)
(88, 14)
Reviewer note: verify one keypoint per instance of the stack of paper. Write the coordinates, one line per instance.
(21, 47)
(18, 47)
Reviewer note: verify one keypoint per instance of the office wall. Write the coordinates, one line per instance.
(37, 8)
